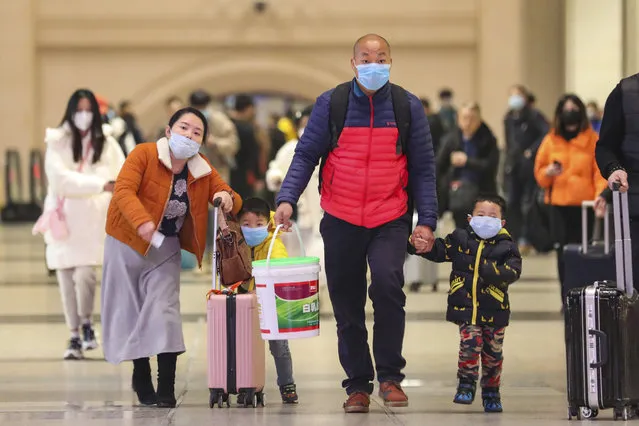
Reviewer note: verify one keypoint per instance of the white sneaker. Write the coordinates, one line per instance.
(74, 350)
(88, 338)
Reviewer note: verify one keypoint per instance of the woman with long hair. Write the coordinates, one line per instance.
(81, 163)
(160, 206)
(566, 169)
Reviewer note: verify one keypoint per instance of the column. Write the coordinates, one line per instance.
(631, 45)
(594, 47)
(18, 108)
(500, 58)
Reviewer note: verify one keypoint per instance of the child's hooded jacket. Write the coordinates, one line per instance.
(482, 271)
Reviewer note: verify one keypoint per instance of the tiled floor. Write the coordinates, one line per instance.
(38, 388)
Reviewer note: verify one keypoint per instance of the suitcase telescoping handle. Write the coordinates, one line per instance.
(217, 285)
(603, 345)
(585, 205)
(623, 247)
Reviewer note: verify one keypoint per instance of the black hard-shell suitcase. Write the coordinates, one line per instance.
(587, 262)
(602, 336)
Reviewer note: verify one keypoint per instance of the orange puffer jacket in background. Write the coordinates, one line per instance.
(580, 179)
(142, 192)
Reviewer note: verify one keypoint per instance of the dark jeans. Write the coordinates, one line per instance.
(347, 248)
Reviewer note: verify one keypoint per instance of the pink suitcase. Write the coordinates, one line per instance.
(235, 350)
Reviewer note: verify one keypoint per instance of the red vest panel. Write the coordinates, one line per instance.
(364, 180)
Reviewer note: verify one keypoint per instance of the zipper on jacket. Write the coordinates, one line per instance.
(475, 279)
(368, 156)
(162, 215)
(197, 242)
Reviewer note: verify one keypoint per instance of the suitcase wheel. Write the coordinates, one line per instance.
(218, 398)
(251, 398)
(572, 413)
(584, 413)
(260, 399)
(622, 413)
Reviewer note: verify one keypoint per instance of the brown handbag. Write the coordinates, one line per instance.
(233, 254)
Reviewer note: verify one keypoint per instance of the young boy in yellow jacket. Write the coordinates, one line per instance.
(256, 219)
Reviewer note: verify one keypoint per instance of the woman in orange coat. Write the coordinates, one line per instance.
(566, 169)
(159, 206)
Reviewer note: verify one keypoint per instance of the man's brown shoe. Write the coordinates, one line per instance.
(357, 402)
(392, 394)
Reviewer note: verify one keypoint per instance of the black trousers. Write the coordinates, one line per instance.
(347, 250)
(519, 199)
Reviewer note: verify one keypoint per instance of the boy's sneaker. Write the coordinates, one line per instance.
(392, 394)
(74, 350)
(88, 338)
(357, 402)
(465, 392)
(492, 400)
(289, 394)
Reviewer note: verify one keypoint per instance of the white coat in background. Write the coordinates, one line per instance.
(85, 204)
(309, 212)
(118, 127)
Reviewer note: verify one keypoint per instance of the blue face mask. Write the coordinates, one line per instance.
(373, 76)
(516, 102)
(255, 236)
(485, 226)
(182, 147)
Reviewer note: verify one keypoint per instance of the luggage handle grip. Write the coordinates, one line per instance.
(585, 205)
(217, 283)
(623, 245)
(604, 348)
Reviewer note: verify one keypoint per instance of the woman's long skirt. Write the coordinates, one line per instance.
(141, 301)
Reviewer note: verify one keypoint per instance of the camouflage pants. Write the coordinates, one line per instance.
(484, 341)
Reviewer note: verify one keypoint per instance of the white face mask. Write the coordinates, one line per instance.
(83, 120)
(485, 227)
(182, 147)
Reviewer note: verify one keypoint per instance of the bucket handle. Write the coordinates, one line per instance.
(277, 230)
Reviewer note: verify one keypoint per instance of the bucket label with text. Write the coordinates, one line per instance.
(297, 306)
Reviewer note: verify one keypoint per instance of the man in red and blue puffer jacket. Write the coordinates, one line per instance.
(368, 182)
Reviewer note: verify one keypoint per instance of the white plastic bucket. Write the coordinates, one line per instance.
(287, 294)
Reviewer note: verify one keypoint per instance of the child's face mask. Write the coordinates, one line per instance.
(255, 236)
(485, 226)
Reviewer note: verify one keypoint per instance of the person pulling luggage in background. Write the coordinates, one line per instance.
(485, 261)
(257, 228)
(617, 152)
(565, 168)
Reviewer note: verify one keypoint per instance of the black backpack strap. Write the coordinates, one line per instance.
(338, 106)
(401, 108)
